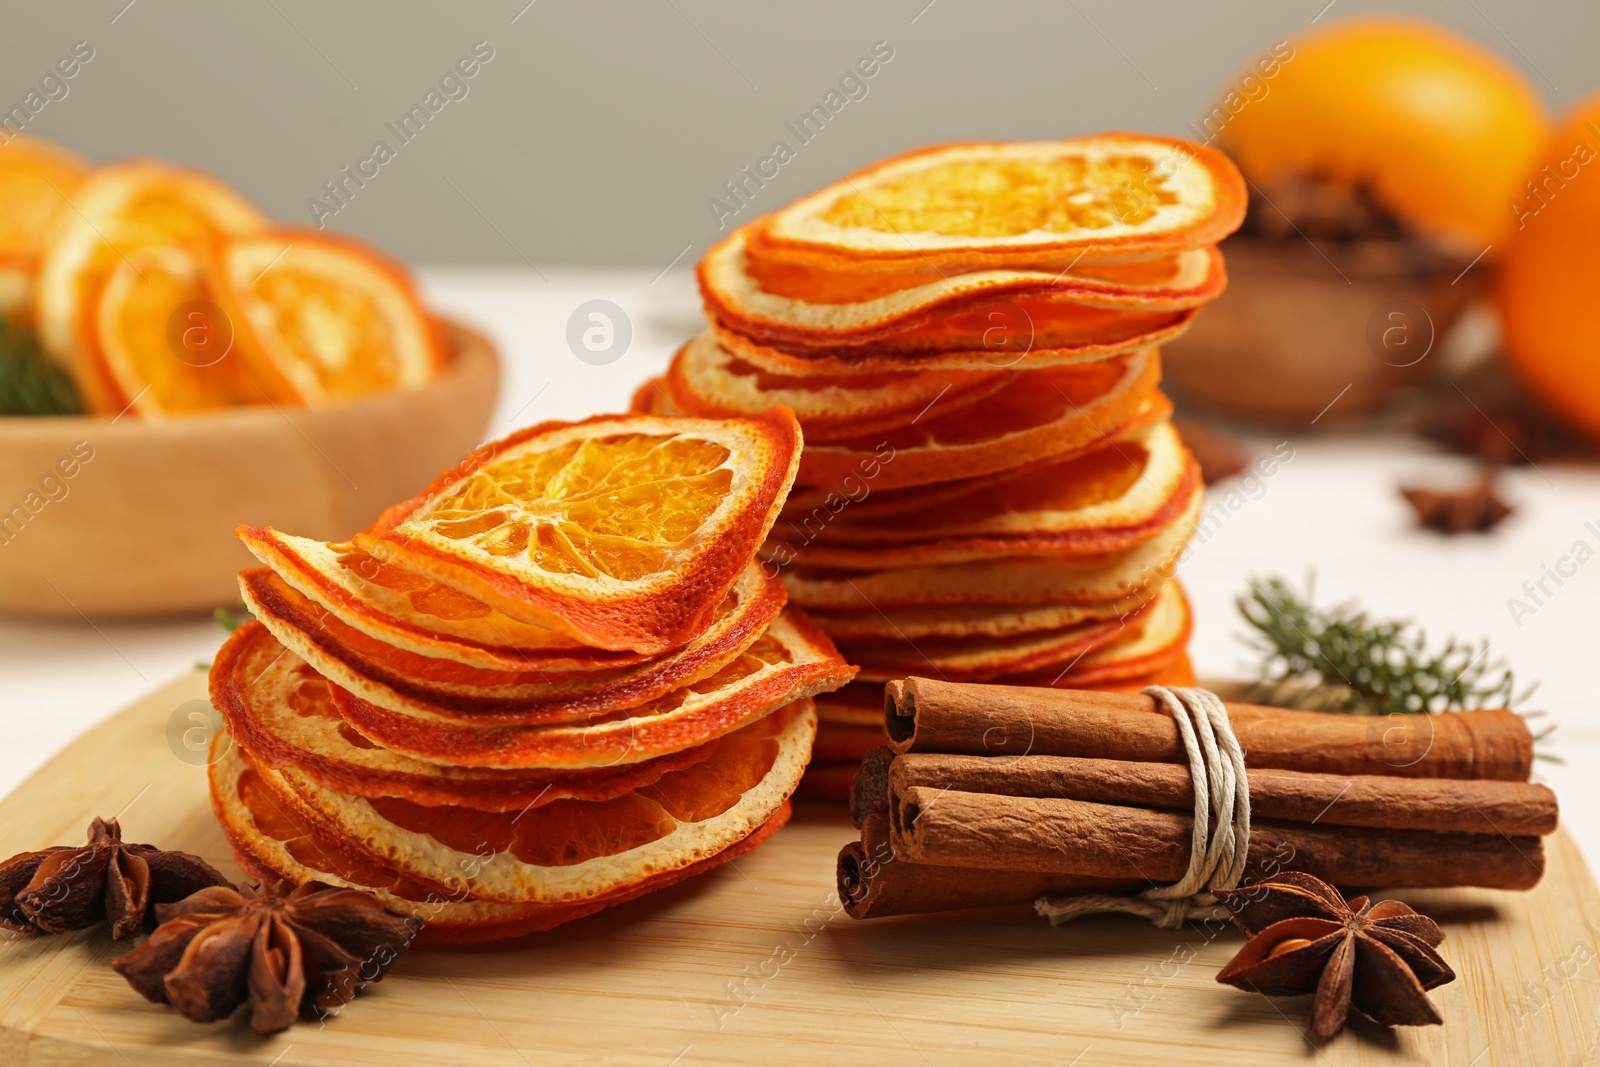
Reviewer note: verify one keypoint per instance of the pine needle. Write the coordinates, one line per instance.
(230, 619)
(30, 382)
(1341, 659)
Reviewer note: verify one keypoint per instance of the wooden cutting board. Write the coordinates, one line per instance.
(755, 964)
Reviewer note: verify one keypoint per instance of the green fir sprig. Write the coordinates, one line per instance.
(230, 619)
(31, 383)
(1342, 659)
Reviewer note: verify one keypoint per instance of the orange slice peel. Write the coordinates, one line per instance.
(570, 850)
(420, 685)
(282, 712)
(780, 303)
(1093, 503)
(271, 842)
(791, 661)
(1036, 416)
(706, 380)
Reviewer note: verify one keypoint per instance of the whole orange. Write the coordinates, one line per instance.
(1442, 130)
(1549, 278)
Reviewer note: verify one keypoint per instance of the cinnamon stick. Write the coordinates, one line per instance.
(874, 884)
(927, 715)
(951, 828)
(869, 793)
(1445, 804)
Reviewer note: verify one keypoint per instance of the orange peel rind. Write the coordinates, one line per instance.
(791, 661)
(571, 850)
(271, 842)
(1093, 503)
(1038, 415)
(783, 303)
(706, 380)
(282, 712)
(408, 683)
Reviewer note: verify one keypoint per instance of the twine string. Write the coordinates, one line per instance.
(1220, 842)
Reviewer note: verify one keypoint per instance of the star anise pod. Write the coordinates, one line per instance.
(288, 950)
(65, 888)
(1305, 938)
(1475, 509)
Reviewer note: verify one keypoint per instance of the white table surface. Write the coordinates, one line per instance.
(1331, 509)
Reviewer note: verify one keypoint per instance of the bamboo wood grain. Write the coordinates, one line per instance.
(757, 964)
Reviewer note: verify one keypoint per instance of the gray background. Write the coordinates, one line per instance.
(599, 130)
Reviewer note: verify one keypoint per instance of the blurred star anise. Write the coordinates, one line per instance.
(1478, 508)
(1305, 938)
(288, 950)
(69, 888)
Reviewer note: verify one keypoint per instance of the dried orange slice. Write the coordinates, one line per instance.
(1096, 502)
(624, 531)
(406, 682)
(1162, 632)
(652, 398)
(791, 661)
(326, 318)
(838, 741)
(786, 303)
(988, 341)
(36, 180)
(165, 348)
(969, 620)
(708, 381)
(1032, 203)
(981, 659)
(270, 841)
(1037, 415)
(1068, 580)
(572, 850)
(117, 210)
(1007, 335)
(283, 713)
(416, 614)
(856, 704)
(809, 510)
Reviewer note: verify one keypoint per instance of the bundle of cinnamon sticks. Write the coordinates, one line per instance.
(994, 795)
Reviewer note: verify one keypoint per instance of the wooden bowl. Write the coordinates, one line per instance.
(1299, 324)
(104, 518)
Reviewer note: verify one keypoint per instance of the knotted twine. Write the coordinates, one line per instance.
(1221, 838)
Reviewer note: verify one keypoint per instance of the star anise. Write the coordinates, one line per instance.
(69, 888)
(1475, 509)
(288, 950)
(1305, 938)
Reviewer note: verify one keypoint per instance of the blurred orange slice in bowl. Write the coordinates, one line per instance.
(36, 178)
(164, 347)
(324, 318)
(117, 210)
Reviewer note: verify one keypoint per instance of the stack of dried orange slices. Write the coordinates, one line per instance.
(991, 489)
(556, 680)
